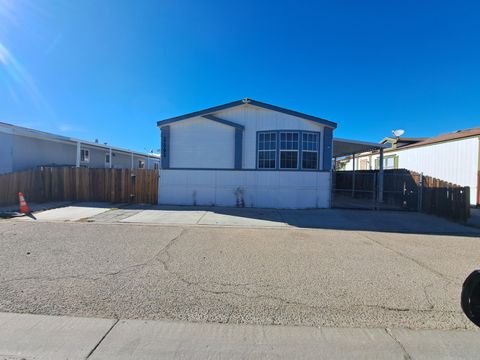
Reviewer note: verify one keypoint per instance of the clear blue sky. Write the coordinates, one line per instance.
(111, 69)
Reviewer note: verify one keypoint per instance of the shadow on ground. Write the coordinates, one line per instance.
(335, 219)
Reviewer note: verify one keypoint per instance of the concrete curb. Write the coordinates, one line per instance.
(24, 336)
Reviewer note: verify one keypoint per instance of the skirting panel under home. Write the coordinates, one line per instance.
(244, 188)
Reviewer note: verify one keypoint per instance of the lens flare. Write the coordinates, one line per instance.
(15, 80)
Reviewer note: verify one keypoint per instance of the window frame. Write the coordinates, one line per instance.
(85, 155)
(394, 160)
(280, 150)
(318, 151)
(258, 150)
(299, 150)
(141, 164)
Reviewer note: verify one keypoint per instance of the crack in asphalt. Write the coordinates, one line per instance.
(429, 301)
(96, 276)
(447, 278)
(281, 300)
(164, 256)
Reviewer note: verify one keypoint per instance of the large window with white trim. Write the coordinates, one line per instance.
(267, 150)
(289, 150)
(309, 150)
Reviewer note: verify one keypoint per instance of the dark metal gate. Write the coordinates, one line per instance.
(360, 190)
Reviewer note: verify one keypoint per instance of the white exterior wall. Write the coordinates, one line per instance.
(264, 189)
(202, 143)
(258, 119)
(454, 161)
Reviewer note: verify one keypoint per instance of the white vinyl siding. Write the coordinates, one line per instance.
(201, 143)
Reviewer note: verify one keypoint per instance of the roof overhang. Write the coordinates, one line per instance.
(215, 109)
(345, 147)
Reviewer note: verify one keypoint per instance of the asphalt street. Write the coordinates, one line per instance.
(248, 275)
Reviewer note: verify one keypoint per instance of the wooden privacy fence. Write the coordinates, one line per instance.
(80, 184)
(405, 189)
(444, 199)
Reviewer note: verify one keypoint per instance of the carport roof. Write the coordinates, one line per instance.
(344, 147)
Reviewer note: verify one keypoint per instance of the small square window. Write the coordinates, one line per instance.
(141, 164)
(84, 155)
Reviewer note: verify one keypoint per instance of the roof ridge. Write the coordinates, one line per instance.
(247, 101)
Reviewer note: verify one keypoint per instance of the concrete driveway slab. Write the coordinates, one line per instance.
(243, 217)
(178, 217)
(439, 344)
(37, 206)
(136, 339)
(377, 221)
(40, 337)
(70, 213)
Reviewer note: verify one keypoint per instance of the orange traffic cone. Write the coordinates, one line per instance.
(23, 204)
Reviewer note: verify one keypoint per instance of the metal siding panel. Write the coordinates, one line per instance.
(269, 189)
(453, 161)
(6, 157)
(30, 152)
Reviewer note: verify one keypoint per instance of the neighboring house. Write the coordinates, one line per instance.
(246, 153)
(22, 148)
(453, 157)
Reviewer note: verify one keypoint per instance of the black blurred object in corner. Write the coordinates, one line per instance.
(471, 297)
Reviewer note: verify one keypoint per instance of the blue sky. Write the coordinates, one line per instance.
(111, 69)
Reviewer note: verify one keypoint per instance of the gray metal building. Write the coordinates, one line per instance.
(23, 148)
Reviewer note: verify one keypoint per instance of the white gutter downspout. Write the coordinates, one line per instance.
(77, 163)
(110, 155)
(132, 160)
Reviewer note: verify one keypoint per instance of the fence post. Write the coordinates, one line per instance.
(420, 193)
(380, 177)
(353, 175)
